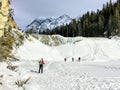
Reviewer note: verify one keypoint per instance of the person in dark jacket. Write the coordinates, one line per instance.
(65, 59)
(72, 59)
(41, 62)
(79, 59)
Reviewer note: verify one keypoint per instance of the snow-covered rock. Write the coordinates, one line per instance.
(89, 49)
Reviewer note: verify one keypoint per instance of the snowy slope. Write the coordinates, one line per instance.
(88, 74)
(32, 49)
(41, 25)
(90, 49)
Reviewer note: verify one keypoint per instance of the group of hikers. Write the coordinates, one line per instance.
(42, 62)
(65, 59)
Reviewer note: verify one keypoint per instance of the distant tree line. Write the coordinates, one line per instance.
(105, 22)
(102, 23)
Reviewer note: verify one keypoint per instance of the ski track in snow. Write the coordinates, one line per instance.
(68, 76)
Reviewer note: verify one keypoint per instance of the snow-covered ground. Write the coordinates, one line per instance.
(60, 75)
(99, 68)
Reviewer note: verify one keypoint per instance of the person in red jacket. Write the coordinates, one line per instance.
(41, 62)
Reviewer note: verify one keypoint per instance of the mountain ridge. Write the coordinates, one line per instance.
(40, 25)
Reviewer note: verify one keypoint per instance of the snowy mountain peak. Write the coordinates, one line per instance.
(65, 17)
(42, 24)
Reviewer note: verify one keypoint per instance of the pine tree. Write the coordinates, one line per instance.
(117, 20)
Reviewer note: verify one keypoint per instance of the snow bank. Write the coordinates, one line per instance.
(32, 50)
(89, 49)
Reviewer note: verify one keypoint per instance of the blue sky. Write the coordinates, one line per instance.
(27, 10)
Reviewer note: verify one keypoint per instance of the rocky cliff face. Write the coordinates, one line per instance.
(4, 10)
(6, 19)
